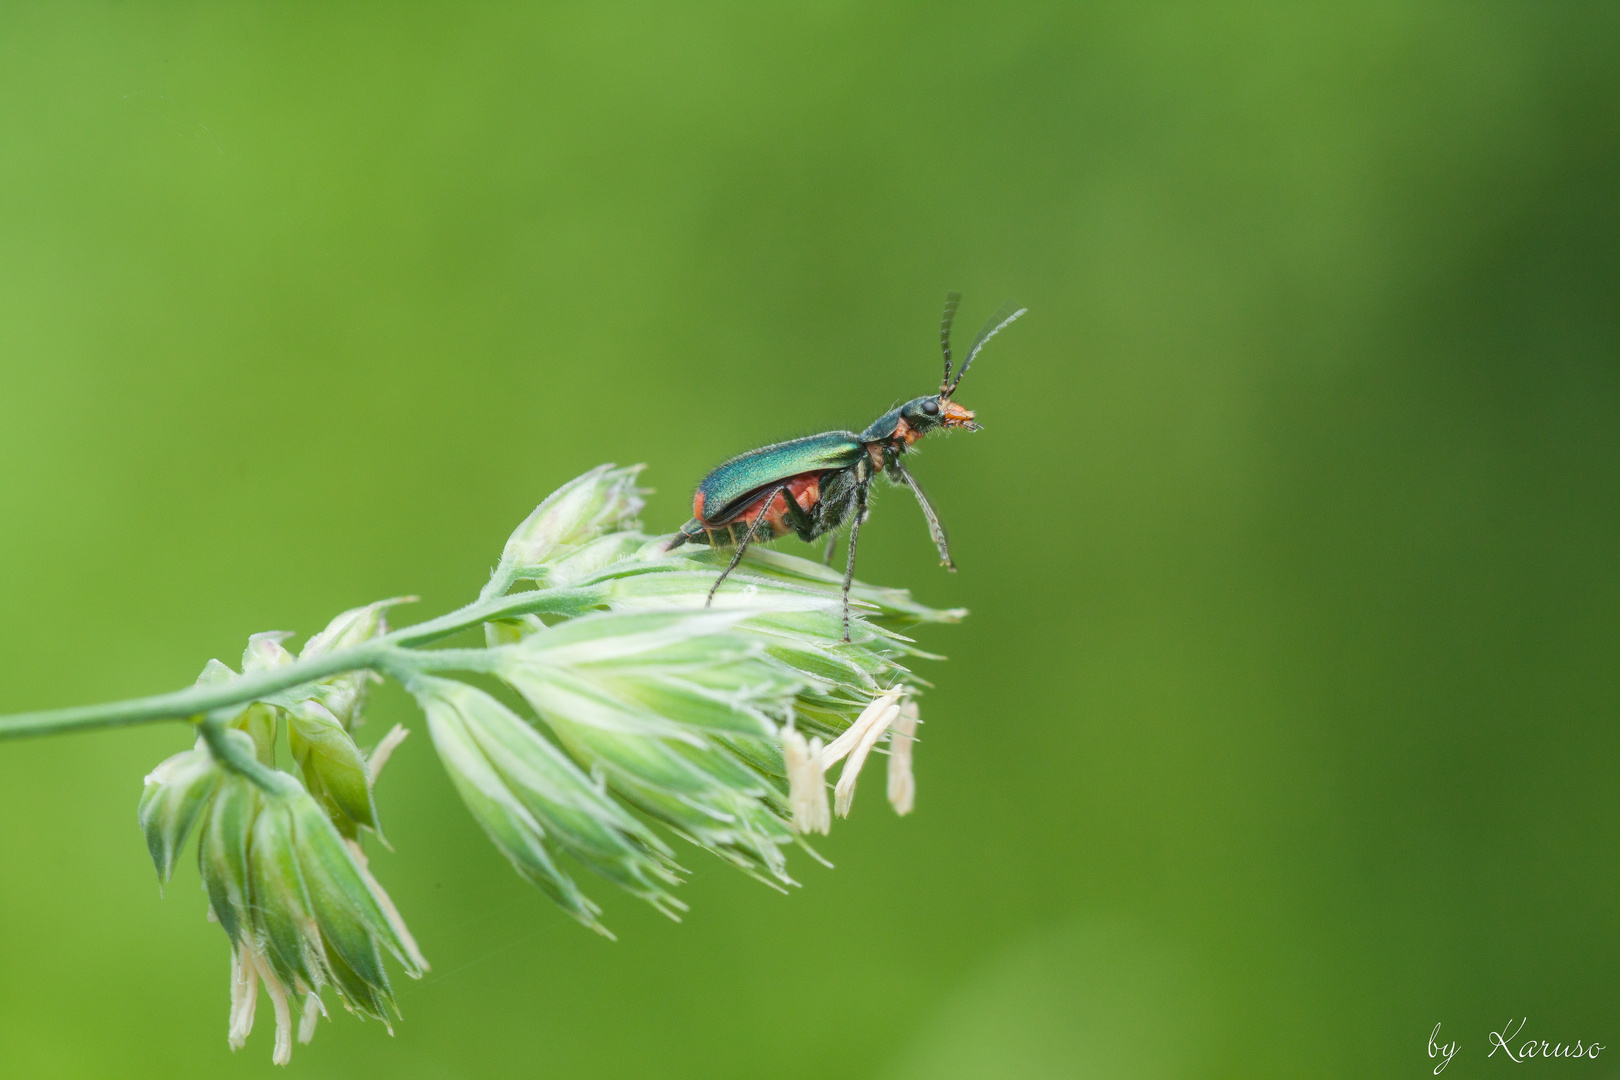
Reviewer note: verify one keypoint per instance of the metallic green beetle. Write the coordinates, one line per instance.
(811, 486)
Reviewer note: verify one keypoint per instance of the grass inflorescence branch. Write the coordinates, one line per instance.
(648, 718)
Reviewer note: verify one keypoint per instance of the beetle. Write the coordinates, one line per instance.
(810, 486)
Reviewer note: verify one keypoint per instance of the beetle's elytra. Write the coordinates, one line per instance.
(811, 486)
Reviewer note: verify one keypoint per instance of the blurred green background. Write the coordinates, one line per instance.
(1284, 726)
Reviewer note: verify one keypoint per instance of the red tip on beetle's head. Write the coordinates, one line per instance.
(954, 416)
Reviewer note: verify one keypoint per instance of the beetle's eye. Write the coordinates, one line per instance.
(931, 407)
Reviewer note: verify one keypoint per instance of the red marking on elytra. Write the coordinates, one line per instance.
(806, 489)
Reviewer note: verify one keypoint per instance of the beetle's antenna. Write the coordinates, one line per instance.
(998, 322)
(945, 320)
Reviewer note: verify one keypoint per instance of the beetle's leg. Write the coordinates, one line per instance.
(935, 529)
(799, 517)
(854, 534)
(832, 546)
(748, 538)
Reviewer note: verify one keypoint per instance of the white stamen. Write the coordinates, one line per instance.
(244, 995)
(807, 783)
(381, 752)
(868, 728)
(248, 969)
(284, 1030)
(839, 747)
(902, 785)
(313, 1011)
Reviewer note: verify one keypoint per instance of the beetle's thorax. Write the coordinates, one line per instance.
(898, 440)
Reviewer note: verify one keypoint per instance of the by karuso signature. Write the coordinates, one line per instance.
(1519, 1050)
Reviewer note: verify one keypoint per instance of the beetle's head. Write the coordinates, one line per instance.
(940, 410)
(924, 414)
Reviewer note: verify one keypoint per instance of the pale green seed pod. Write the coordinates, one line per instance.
(592, 558)
(214, 673)
(670, 707)
(284, 926)
(356, 922)
(175, 795)
(333, 768)
(797, 623)
(762, 567)
(265, 651)
(706, 793)
(259, 722)
(533, 802)
(222, 852)
(354, 627)
(794, 608)
(604, 500)
(669, 674)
